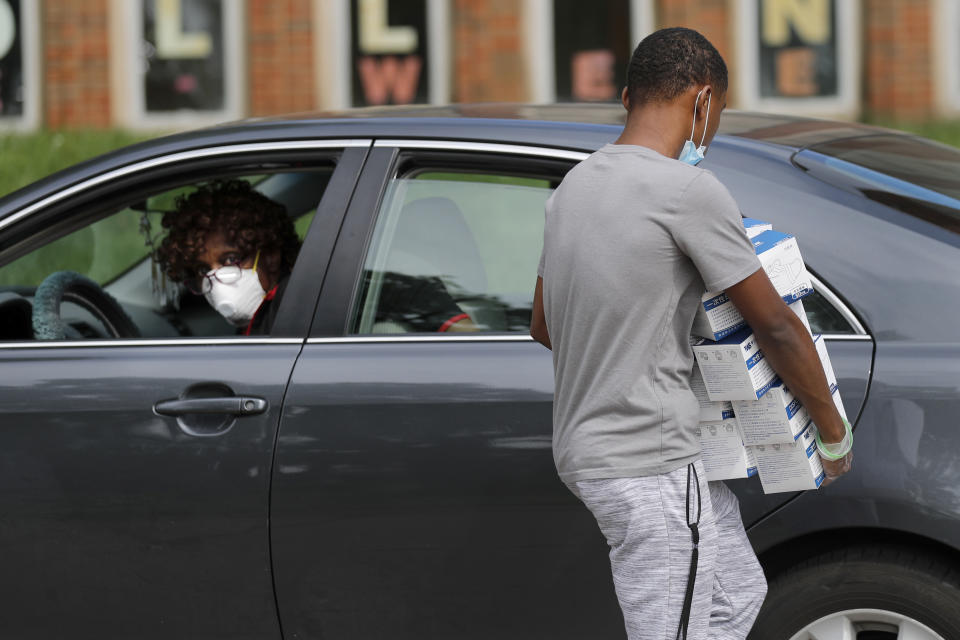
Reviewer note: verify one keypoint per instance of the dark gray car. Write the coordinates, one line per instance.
(351, 475)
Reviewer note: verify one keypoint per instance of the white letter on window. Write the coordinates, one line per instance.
(377, 36)
(172, 42)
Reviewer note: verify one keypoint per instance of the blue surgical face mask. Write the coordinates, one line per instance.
(691, 153)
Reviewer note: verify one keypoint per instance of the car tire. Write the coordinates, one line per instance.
(870, 591)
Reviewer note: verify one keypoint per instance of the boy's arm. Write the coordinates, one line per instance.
(538, 322)
(790, 350)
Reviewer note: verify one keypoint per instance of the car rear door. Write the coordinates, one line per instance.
(127, 510)
(414, 490)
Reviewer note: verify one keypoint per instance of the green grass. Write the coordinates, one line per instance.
(945, 131)
(25, 158)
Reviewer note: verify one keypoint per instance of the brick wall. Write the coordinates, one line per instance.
(280, 59)
(898, 64)
(488, 54)
(76, 69)
(488, 40)
(712, 18)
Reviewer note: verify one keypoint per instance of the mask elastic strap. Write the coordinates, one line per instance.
(693, 126)
(256, 260)
(707, 122)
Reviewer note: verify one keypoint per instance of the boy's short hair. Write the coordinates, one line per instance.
(667, 62)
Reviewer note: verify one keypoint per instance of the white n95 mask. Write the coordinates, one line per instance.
(691, 153)
(235, 293)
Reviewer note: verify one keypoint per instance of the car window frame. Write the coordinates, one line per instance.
(22, 230)
(386, 161)
(332, 318)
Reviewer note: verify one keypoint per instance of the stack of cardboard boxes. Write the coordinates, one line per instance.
(750, 422)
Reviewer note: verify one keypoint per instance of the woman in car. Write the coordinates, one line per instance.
(236, 247)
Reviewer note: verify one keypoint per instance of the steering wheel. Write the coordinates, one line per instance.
(73, 287)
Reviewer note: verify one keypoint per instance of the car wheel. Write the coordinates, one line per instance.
(880, 592)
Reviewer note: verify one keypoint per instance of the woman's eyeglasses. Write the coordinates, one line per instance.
(201, 284)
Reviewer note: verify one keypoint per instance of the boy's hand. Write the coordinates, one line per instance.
(836, 468)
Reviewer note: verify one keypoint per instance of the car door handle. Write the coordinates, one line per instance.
(232, 405)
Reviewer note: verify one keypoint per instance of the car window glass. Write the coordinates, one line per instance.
(453, 251)
(101, 251)
(117, 252)
(824, 317)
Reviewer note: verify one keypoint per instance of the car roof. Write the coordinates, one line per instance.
(577, 126)
(790, 131)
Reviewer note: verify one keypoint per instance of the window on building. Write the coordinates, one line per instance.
(592, 47)
(389, 48)
(183, 61)
(800, 56)
(19, 73)
(579, 51)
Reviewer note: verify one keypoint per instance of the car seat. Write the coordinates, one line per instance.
(432, 239)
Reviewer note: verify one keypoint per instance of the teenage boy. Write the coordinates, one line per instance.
(634, 234)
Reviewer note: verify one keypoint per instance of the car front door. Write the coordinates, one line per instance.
(135, 477)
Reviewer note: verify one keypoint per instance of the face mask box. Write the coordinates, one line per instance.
(781, 260)
(734, 368)
(718, 317)
(775, 418)
(791, 466)
(709, 411)
(780, 256)
(828, 371)
(724, 456)
(755, 227)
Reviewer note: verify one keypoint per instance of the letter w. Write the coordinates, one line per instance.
(389, 76)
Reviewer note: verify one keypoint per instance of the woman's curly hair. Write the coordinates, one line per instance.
(248, 220)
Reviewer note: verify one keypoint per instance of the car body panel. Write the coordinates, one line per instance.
(904, 476)
(413, 484)
(114, 515)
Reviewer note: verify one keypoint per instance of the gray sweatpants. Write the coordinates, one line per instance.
(645, 522)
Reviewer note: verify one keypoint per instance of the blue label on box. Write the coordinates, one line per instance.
(723, 333)
(768, 240)
(737, 337)
(793, 407)
(753, 360)
(715, 302)
(762, 390)
(753, 222)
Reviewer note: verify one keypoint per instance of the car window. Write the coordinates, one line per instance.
(824, 317)
(453, 251)
(119, 252)
(458, 250)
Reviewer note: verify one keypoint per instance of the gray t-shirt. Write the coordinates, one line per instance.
(631, 240)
